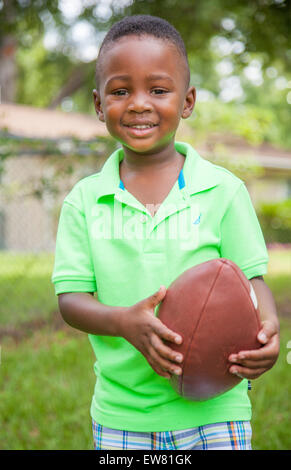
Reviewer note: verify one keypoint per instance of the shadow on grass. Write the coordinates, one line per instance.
(26, 329)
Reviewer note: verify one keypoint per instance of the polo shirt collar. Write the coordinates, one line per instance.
(197, 175)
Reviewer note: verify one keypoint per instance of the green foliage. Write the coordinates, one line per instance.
(25, 19)
(275, 220)
(40, 74)
(262, 26)
(242, 120)
(261, 29)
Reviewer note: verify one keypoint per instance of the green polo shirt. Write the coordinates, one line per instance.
(107, 242)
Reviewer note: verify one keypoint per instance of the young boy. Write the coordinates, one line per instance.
(156, 209)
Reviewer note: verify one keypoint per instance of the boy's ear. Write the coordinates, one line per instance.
(189, 102)
(97, 105)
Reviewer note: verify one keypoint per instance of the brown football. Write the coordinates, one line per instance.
(214, 308)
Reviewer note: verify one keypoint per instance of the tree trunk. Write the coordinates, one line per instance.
(8, 70)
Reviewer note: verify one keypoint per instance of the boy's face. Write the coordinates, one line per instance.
(142, 93)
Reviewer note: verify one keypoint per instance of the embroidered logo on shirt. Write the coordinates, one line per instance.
(197, 221)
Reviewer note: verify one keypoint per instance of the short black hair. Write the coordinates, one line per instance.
(143, 25)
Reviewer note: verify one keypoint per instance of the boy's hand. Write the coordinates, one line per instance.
(251, 364)
(147, 333)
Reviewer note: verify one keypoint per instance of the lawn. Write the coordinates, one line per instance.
(47, 376)
(46, 386)
(26, 291)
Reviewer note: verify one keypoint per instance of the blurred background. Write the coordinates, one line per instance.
(240, 59)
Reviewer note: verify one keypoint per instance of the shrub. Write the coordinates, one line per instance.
(275, 220)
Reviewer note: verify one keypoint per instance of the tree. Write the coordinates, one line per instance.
(246, 28)
(263, 26)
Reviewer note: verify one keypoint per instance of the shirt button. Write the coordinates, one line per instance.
(143, 218)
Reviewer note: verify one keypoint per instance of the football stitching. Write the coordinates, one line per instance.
(197, 324)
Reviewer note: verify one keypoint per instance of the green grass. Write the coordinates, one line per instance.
(270, 397)
(47, 378)
(26, 291)
(46, 387)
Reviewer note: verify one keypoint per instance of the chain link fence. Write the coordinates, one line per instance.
(35, 176)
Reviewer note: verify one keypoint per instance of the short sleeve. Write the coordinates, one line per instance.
(73, 268)
(242, 239)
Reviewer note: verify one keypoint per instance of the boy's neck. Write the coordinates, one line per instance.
(134, 162)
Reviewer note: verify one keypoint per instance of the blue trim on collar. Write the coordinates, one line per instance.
(181, 181)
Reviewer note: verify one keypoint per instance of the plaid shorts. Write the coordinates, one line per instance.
(231, 435)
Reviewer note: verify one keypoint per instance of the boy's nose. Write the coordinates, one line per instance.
(140, 103)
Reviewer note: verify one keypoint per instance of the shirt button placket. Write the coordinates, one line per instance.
(143, 218)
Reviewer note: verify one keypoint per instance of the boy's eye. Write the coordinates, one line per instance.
(121, 92)
(159, 91)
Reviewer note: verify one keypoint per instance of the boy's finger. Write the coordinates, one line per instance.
(165, 333)
(163, 364)
(154, 299)
(246, 373)
(264, 363)
(269, 351)
(165, 351)
(267, 331)
(158, 369)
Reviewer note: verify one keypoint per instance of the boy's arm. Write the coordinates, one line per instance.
(137, 324)
(251, 364)
(83, 312)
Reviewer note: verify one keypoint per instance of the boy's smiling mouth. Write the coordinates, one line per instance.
(140, 124)
(140, 129)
